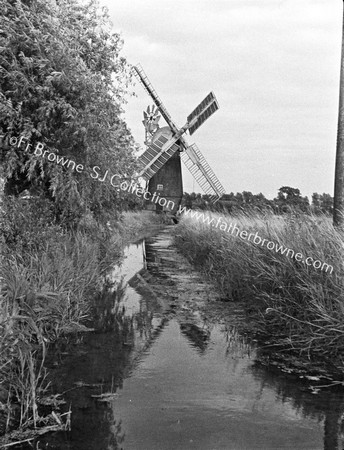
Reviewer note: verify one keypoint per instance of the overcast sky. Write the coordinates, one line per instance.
(274, 68)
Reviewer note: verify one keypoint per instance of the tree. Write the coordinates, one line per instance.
(248, 197)
(288, 193)
(316, 203)
(315, 200)
(239, 198)
(62, 83)
(326, 203)
(290, 198)
(187, 200)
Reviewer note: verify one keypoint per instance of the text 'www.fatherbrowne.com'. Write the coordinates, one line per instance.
(255, 239)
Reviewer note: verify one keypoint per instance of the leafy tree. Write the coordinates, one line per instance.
(239, 198)
(63, 83)
(288, 193)
(187, 200)
(316, 203)
(228, 202)
(316, 200)
(248, 197)
(290, 198)
(326, 203)
(322, 203)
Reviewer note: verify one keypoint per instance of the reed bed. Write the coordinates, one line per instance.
(43, 295)
(47, 278)
(134, 223)
(294, 306)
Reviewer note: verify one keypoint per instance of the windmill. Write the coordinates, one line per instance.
(166, 147)
(150, 121)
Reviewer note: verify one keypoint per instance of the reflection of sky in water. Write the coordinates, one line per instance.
(132, 301)
(179, 398)
(183, 394)
(183, 382)
(133, 261)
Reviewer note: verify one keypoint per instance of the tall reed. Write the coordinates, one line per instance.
(47, 276)
(301, 308)
(43, 294)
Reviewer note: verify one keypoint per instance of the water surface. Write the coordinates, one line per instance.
(159, 373)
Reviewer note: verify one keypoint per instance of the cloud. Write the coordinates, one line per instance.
(274, 67)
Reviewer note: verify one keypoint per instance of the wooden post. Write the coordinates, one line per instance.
(338, 211)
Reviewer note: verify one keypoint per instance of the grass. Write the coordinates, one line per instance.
(47, 278)
(133, 224)
(44, 294)
(295, 306)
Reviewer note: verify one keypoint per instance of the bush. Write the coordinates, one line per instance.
(26, 224)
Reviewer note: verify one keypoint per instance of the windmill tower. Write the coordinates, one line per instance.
(166, 147)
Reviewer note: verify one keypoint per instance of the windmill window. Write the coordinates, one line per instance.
(159, 187)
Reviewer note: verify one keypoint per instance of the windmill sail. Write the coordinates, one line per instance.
(202, 112)
(201, 171)
(163, 148)
(153, 159)
(140, 74)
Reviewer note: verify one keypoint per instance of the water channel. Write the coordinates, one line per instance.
(161, 373)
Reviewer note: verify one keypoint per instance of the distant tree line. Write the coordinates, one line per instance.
(288, 199)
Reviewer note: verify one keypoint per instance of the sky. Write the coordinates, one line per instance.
(274, 67)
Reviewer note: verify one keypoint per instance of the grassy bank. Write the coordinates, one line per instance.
(294, 307)
(47, 278)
